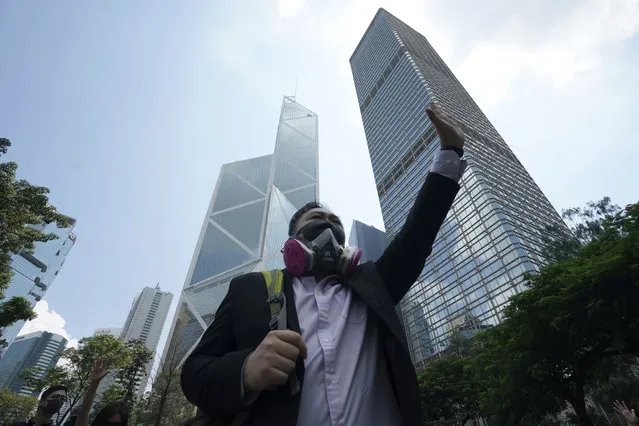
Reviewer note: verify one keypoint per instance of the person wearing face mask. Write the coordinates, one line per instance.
(344, 345)
(49, 404)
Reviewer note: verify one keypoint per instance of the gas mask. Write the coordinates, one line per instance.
(52, 407)
(320, 248)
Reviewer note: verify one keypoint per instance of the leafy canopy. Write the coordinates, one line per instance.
(21, 205)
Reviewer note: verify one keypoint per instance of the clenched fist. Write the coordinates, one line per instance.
(273, 361)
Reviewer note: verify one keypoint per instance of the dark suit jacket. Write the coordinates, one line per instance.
(211, 375)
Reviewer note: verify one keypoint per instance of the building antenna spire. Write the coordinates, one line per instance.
(295, 92)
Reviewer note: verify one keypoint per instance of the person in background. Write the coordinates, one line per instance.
(343, 358)
(49, 404)
(628, 414)
(115, 413)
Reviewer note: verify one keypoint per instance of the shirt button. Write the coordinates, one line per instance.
(325, 339)
(329, 378)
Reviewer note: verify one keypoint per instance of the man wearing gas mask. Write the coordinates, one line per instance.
(343, 359)
(49, 404)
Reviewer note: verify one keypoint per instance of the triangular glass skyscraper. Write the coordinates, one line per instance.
(246, 224)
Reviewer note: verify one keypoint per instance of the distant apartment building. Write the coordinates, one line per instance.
(146, 321)
(39, 350)
(33, 273)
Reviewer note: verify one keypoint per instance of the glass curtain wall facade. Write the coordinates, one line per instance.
(246, 224)
(493, 232)
(33, 273)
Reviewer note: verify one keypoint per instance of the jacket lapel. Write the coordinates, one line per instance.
(368, 285)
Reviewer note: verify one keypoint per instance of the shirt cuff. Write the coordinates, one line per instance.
(249, 397)
(448, 164)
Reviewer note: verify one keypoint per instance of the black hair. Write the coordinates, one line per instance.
(308, 206)
(52, 389)
(116, 407)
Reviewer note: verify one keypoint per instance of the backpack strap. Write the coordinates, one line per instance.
(276, 299)
(277, 302)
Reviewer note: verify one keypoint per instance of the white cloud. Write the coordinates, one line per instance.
(562, 53)
(48, 320)
(290, 8)
(488, 72)
(511, 56)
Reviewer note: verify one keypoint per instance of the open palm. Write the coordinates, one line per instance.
(99, 369)
(628, 414)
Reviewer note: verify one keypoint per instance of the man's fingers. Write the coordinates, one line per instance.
(287, 350)
(294, 339)
(439, 119)
(283, 364)
(276, 377)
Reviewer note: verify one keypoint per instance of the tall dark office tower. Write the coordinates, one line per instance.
(492, 234)
(246, 224)
(369, 239)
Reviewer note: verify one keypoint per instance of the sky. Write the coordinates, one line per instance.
(127, 110)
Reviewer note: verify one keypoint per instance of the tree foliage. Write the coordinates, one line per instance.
(444, 399)
(585, 225)
(21, 205)
(76, 368)
(14, 407)
(575, 315)
(166, 405)
(573, 335)
(129, 377)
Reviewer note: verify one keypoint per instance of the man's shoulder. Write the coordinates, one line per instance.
(248, 282)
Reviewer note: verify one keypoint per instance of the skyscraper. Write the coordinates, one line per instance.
(40, 350)
(246, 224)
(146, 321)
(493, 232)
(33, 273)
(369, 239)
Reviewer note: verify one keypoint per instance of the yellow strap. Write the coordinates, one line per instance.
(273, 280)
(267, 279)
(278, 281)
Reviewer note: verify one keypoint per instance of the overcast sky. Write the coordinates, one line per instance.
(126, 111)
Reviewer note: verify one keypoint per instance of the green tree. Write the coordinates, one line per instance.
(128, 377)
(575, 315)
(14, 407)
(585, 225)
(166, 405)
(448, 391)
(76, 369)
(22, 205)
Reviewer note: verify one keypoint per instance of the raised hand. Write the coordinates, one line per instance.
(273, 361)
(99, 370)
(629, 415)
(450, 134)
